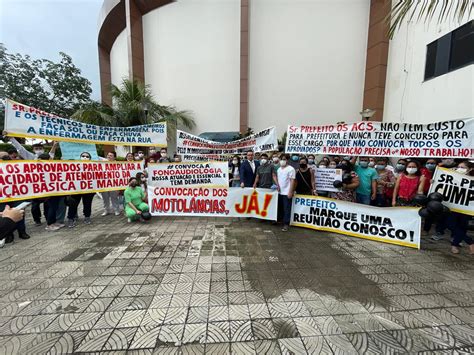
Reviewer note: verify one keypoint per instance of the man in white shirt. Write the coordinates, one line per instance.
(286, 186)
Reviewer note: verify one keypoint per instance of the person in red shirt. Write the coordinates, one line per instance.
(408, 184)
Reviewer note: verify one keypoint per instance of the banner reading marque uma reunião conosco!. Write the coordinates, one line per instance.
(21, 180)
(191, 147)
(26, 121)
(394, 225)
(457, 190)
(201, 189)
(453, 139)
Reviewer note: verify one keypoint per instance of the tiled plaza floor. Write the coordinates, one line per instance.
(217, 286)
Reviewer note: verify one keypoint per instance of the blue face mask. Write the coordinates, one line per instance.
(295, 158)
(430, 166)
(364, 164)
(400, 167)
(380, 167)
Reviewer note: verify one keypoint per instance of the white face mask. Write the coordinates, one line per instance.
(263, 161)
(39, 151)
(461, 170)
(85, 158)
(152, 151)
(371, 164)
(163, 155)
(332, 166)
(283, 163)
(235, 162)
(412, 170)
(137, 157)
(275, 160)
(310, 161)
(140, 155)
(322, 167)
(176, 160)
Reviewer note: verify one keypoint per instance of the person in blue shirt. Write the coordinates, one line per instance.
(368, 176)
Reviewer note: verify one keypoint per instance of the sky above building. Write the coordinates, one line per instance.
(43, 28)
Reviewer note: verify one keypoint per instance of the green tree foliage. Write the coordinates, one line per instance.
(427, 10)
(133, 105)
(55, 87)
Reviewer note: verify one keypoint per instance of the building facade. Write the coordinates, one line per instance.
(237, 64)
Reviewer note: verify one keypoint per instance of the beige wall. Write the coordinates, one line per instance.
(408, 98)
(192, 50)
(307, 61)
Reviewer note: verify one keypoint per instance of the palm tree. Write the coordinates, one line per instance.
(427, 10)
(133, 105)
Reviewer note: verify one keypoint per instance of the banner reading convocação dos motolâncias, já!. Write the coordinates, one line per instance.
(202, 189)
(394, 225)
(22, 180)
(190, 146)
(447, 139)
(29, 122)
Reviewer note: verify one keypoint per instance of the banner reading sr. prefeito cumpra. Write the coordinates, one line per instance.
(191, 146)
(21, 180)
(457, 190)
(26, 121)
(448, 139)
(201, 189)
(394, 225)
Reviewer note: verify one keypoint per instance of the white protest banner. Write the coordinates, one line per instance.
(73, 151)
(189, 174)
(394, 225)
(448, 139)
(326, 177)
(457, 190)
(20, 180)
(29, 122)
(212, 201)
(189, 145)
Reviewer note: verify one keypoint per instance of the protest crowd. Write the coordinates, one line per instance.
(370, 180)
(365, 180)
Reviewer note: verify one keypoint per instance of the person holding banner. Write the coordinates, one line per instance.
(111, 198)
(458, 222)
(134, 200)
(38, 149)
(305, 181)
(286, 176)
(76, 199)
(408, 184)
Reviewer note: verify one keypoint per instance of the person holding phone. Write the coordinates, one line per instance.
(8, 223)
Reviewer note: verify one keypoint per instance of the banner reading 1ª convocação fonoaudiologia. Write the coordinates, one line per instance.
(394, 225)
(447, 139)
(29, 122)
